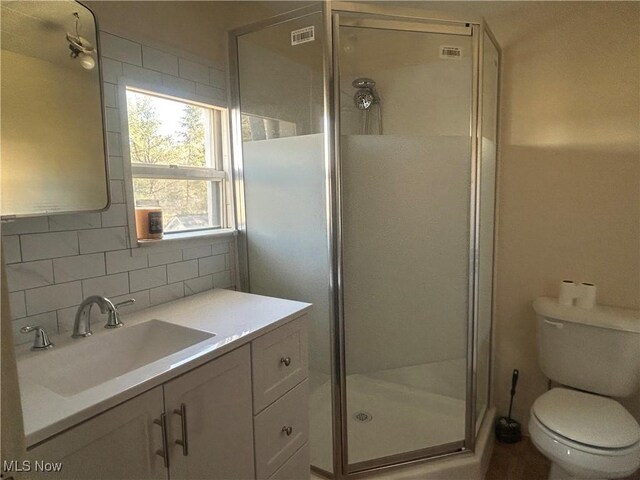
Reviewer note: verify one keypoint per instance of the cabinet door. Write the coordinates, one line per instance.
(117, 444)
(216, 403)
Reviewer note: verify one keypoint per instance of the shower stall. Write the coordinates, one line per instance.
(365, 143)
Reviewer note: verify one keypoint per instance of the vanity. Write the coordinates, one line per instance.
(210, 386)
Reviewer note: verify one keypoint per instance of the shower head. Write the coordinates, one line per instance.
(364, 83)
(366, 94)
(363, 98)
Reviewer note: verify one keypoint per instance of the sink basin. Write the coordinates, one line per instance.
(88, 362)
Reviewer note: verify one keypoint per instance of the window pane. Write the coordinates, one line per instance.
(263, 128)
(168, 132)
(186, 204)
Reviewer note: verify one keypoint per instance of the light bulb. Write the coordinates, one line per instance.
(87, 61)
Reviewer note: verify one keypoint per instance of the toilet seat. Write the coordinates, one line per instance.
(580, 415)
(584, 461)
(591, 422)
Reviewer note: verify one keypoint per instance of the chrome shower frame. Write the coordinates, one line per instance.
(399, 19)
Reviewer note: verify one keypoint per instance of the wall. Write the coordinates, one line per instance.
(188, 28)
(569, 186)
(55, 262)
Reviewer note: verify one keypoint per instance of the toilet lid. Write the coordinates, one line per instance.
(586, 418)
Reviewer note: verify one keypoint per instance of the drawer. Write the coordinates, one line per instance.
(296, 468)
(273, 445)
(279, 361)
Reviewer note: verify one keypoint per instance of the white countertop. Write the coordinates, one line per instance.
(235, 318)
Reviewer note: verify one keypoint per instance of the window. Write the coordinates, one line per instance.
(177, 160)
(255, 127)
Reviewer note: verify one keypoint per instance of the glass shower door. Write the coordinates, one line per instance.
(405, 96)
(283, 228)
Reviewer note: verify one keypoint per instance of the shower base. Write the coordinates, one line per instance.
(392, 411)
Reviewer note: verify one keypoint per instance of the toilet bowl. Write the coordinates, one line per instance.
(595, 354)
(585, 436)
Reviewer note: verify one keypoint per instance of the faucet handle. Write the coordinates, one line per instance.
(41, 340)
(113, 320)
(131, 301)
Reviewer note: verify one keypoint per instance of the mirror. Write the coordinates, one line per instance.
(53, 142)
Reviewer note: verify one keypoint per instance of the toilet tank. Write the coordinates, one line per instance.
(597, 350)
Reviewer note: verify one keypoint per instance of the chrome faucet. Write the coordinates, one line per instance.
(82, 325)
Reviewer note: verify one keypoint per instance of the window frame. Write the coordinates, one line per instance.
(219, 148)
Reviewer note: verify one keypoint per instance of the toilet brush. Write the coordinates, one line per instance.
(507, 429)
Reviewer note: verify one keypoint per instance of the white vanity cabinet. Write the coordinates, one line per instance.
(117, 444)
(204, 423)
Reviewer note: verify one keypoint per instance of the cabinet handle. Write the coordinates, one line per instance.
(164, 453)
(184, 441)
(286, 361)
(287, 430)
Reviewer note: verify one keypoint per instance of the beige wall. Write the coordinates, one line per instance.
(569, 197)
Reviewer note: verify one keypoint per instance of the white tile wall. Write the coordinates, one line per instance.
(148, 278)
(110, 95)
(74, 222)
(160, 61)
(142, 74)
(194, 71)
(164, 258)
(176, 83)
(166, 293)
(17, 304)
(117, 191)
(21, 276)
(197, 252)
(197, 285)
(116, 167)
(116, 216)
(68, 269)
(182, 271)
(53, 297)
(26, 225)
(123, 261)
(121, 49)
(54, 262)
(107, 286)
(11, 249)
(48, 245)
(102, 240)
(214, 264)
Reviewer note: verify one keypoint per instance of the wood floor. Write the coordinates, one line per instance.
(522, 461)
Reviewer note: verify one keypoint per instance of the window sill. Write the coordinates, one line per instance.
(183, 240)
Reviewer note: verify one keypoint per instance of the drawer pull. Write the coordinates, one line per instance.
(184, 441)
(286, 361)
(287, 430)
(164, 453)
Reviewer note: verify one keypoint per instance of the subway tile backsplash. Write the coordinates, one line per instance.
(54, 262)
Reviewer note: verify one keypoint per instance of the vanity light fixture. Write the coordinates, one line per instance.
(80, 47)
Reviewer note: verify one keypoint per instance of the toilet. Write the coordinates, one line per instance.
(594, 354)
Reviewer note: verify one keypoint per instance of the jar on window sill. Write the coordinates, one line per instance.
(149, 224)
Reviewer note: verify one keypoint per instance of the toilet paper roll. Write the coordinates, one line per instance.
(587, 297)
(568, 292)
